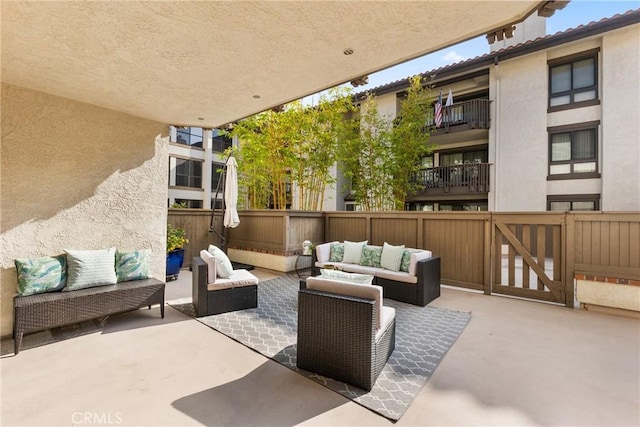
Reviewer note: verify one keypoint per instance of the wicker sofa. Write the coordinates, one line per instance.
(418, 286)
(238, 292)
(39, 312)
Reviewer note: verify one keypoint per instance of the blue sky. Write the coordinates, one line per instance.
(577, 12)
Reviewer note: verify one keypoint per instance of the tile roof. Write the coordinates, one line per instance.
(605, 24)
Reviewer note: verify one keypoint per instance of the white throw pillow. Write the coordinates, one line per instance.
(353, 251)
(224, 268)
(391, 257)
(211, 265)
(86, 269)
(363, 279)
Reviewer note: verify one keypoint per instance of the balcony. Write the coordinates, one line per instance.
(458, 179)
(463, 116)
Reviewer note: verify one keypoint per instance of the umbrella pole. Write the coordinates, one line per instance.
(223, 233)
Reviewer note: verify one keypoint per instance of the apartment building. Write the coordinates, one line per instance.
(195, 162)
(541, 123)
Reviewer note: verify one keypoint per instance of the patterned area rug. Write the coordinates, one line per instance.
(423, 337)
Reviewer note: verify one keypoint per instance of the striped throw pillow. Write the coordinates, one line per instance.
(87, 269)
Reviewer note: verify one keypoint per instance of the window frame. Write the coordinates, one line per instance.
(571, 59)
(191, 176)
(187, 130)
(572, 198)
(593, 125)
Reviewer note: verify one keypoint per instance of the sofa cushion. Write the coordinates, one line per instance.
(361, 269)
(336, 252)
(363, 279)
(415, 257)
(371, 256)
(352, 289)
(86, 269)
(210, 260)
(224, 268)
(398, 276)
(39, 275)
(323, 251)
(353, 251)
(133, 265)
(391, 257)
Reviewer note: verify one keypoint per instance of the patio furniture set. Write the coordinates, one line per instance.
(344, 331)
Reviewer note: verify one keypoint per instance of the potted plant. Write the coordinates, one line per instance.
(176, 239)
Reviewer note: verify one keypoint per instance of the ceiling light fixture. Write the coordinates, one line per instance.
(256, 96)
(348, 51)
(200, 118)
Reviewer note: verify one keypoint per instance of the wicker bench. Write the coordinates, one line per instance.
(50, 310)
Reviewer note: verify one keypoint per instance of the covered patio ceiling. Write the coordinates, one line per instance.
(209, 63)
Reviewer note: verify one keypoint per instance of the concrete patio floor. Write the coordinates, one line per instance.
(517, 363)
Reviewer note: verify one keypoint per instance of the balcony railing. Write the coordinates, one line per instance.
(465, 178)
(465, 115)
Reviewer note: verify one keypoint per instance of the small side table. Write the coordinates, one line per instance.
(302, 266)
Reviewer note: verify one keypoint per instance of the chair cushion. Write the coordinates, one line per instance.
(352, 289)
(210, 260)
(388, 315)
(237, 279)
(86, 269)
(224, 268)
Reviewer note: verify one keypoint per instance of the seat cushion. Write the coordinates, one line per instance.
(237, 279)
(388, 315)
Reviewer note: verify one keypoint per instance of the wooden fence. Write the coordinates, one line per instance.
(529, 254)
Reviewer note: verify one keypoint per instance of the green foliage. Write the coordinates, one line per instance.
(176, 238)
(296, 145)
(299, 145)
(179, 205)
(382, 160)
(409, 140)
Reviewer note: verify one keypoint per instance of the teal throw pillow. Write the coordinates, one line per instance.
(133, 265)
(39, 275)
(371, 256)
(336, 252)
(406, 260)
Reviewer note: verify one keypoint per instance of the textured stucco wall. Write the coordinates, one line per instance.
(76, 176)
(621, 120)
(520, 140)
(604, 294)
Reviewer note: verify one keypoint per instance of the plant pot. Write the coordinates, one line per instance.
(175, 259)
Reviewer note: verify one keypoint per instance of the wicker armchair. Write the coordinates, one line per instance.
(342, 333)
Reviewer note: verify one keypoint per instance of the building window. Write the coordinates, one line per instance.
(188, 173)
(194, 204)
(573, 81)
(216, 174)
(220, 142)
(576, 202)
(189, 136)
(573, 151)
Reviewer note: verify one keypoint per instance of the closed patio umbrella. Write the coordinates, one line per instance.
(231, 219)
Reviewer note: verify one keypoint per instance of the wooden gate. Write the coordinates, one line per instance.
(527, 252)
